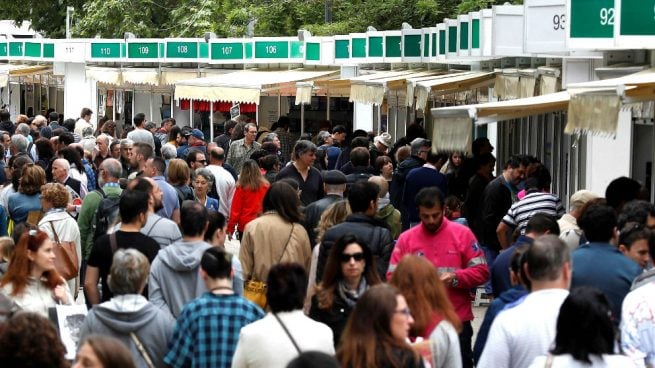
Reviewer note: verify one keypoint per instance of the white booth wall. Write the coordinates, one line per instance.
(609, 158)
(79, 92)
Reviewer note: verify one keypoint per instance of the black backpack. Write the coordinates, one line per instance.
(106, 214)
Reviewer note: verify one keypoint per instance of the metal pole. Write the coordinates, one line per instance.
(279, 106)
(133, 105)
(211, 121)
(113, 105)
(172, 108)
(302, 119)
(191, 113)
(151, 112)
(327, 106)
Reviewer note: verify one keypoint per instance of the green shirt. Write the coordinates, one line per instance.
(86, 219)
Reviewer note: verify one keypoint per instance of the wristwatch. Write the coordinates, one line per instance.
(454, 281)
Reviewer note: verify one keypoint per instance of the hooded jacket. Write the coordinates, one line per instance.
(174, 279)
(127, 314)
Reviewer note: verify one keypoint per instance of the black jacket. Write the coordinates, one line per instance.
(313, 214)
(370, 231)
(335, 317)
(496, 200)
(398, 182)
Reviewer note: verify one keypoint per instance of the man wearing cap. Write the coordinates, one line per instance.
(334, 184)
(195, 140)
(140, 133)
(380, 146)
(241, 149)
(570, 232)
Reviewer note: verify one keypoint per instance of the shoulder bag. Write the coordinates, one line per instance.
(142, 350)
(254, 290)
(293, 341)
(66, 259)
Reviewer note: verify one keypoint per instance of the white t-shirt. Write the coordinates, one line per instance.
(225, 186)
(638, 325)
(520, 334)
(567, 361)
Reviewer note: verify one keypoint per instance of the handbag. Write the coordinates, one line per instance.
(254, 290)
(66, 260)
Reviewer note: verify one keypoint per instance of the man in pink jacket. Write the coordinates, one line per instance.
(453, 250)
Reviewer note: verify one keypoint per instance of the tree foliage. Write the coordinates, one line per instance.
(230, 18)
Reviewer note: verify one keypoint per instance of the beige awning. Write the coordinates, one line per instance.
(505, 110)
(450, 83)
(452, 134)
(371, 89)
(304, 93)
(595, 105)
(149, 76)
(169, 77)
(244, 86)
(104, 75)
(507, 85)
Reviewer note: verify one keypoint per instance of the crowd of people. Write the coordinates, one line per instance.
(265, 249)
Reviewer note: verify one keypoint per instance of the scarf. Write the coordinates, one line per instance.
(383, 202)
(350, 296)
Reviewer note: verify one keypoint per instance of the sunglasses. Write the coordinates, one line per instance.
(345, 257)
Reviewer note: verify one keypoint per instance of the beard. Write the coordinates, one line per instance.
(101, 183)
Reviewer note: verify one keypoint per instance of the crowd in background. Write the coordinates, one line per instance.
(261, 248)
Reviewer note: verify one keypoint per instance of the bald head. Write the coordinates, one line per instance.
(382, 183)
(216, 155)
(60, 169)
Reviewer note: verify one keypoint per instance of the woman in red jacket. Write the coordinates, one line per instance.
(248, 197)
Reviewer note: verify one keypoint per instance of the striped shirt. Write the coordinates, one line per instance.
(539, 202)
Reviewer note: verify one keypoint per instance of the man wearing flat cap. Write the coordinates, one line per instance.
(334, 184)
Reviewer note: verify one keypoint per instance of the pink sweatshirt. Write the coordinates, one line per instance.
(452, 248)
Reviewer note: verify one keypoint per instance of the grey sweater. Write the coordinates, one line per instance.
(132, 313)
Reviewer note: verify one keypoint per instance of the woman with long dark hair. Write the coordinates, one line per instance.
(377, 330)
(585, 334)
(31, 280)
(349, 272)
(276, 236)
(435, 320)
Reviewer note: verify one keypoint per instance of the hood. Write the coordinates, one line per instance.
(183, 256)
(385, 212)
(513, 294)
(124, 319)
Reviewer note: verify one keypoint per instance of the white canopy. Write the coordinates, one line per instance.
(243, 86)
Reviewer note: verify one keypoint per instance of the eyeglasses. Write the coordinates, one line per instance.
(345, 257)
(202, 161)
(404, 311)
(419, 152)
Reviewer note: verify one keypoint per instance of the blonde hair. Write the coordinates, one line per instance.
(336, 213)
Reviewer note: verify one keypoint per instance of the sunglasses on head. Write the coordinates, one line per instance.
(345, 257)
